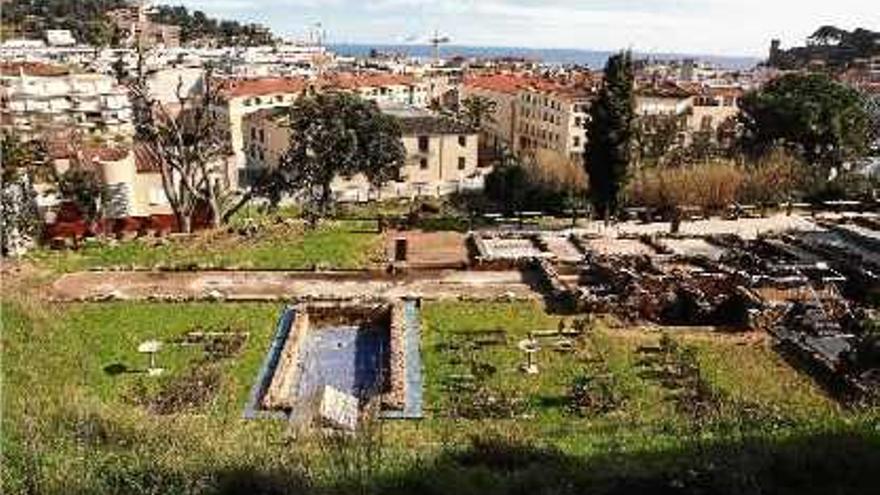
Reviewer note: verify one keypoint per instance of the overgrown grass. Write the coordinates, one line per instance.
(69, 427)
(338, 245)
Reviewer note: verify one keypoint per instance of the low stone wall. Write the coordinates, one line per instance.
(395, 398)
(281, 393)
(278, 396)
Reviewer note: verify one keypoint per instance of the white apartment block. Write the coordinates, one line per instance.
(36, 99)
(663, 99)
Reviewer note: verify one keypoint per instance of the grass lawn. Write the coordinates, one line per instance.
(339, 245)
(70, 427)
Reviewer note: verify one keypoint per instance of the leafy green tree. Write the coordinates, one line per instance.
(81, 184)
(821, 120)
(476, 110)
(610, 135)
(655, 136)
(332, 135)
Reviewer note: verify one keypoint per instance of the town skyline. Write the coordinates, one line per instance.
(649, 26)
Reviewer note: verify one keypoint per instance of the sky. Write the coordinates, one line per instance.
(717, 27)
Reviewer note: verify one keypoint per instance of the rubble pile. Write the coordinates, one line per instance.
(641, 288)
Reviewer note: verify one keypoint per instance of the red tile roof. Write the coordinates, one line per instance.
(235, 88)
(509, 83)
(503, 83)
(353, 81)
(146, 159)
(665, 89)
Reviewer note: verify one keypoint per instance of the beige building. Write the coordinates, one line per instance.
(554, 118)
(130, 175)
(713, 109)
(242, 97)
(441, 156)
(533, 114)
(498, 132)
(664, 98)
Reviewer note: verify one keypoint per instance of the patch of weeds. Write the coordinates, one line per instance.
(506, 453)
(188, 391)
(218, 344)
(591, 395)
(470, 394)
(597, 389)
(676, 368)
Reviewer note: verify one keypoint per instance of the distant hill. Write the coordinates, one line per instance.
(88, 21)
(830, 46)
(195, 26)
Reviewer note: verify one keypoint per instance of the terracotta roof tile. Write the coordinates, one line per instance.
(353, 81)
(236, 88)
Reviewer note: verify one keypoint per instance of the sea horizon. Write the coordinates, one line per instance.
(594, 59)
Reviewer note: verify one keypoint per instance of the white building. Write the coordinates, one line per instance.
(60, 37)
(35, 98)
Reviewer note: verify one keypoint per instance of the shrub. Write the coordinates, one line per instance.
(712, 186)
(545, 181)
(719, 183)
(775, 178)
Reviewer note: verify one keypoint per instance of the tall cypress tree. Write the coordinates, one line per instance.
(610, 134)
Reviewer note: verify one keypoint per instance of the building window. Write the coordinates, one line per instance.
(462, 163)
(577, 141)
(462, 141)
(262, 136)
(423, 163)
(253, 133)
(424, 144)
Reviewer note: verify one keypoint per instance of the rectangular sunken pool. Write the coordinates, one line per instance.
(369, 351)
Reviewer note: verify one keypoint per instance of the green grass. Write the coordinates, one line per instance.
(69, 427)
(338, 245)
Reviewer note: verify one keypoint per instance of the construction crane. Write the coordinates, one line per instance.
(436, 41)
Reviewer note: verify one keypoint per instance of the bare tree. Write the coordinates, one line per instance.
(190, 145)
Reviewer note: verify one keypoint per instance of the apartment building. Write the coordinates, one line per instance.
(552, 117)
(441, 155)
(663, 98)
(384, 89)
(498, 132)
(37, 98)
(242, 97)
(533, 113)
(874, 68)
(714, 108)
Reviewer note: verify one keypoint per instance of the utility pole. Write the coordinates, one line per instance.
(436, 41)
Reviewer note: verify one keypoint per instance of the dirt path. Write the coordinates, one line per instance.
(254, 285)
